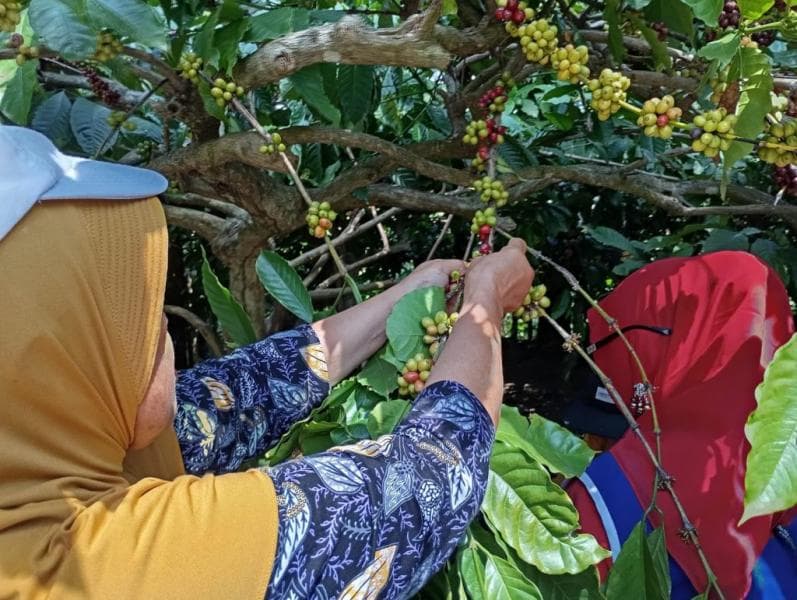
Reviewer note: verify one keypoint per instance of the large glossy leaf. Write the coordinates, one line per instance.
(581, 586)
(707, 11)
(753, 9)
(356, 88)
(471, 570)
(545, 441)
(611, 13)
(284, 284)
(277, 22)
(379, 374)
(129, 18)
(309, 84)
(232, 317)
(64, 26)
(635, 573)
(52, 118)
(404, 331)
(502, 581)
(755, 72)
(723, 49)
(535, 516)
(18, 93)
(675, 15)
(385, 416)
(90, 126)
(771, 477)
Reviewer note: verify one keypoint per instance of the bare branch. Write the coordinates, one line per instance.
(363, 262)
(207, 225)
(202, 327)
(332, 293)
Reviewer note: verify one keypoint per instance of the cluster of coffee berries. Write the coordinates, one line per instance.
(786, 179)
(414, 375)
(108, 46)
(513, 12)
(275, 145)
(730, 15)
(9, 14)
(491, 190)
(719, 84)
(537, 40)
(189, 67)
(455, 282)
(320, 218)
(118, 118)
(494, 99)
(661, 29)
(712, 132)
(483, 222)
(485, 134)
(533, 301)
(225, 91)
(657, 115)
(608, 91)
(25, 53)
(146, 149)
(764, 38)
(570, 63)
(784, 135)
(101, 88)
(436, 327)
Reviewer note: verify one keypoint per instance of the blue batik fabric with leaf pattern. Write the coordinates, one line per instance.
(376, 519)
(233, 408)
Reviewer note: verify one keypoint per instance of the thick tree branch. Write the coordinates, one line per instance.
(203, 328)
(206, 225)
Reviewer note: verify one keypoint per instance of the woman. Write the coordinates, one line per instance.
(94, 502)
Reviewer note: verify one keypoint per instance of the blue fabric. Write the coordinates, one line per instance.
(378, 518)
(233, 408)
(775, 572)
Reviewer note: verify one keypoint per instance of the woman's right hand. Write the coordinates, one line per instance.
(505, 275)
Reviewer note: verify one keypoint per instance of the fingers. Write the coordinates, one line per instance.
(516, 244)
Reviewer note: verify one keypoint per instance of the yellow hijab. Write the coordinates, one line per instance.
(80, 517)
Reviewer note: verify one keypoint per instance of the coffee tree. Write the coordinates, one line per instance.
(317, 150)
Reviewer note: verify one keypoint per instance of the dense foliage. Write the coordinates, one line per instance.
(606, 134)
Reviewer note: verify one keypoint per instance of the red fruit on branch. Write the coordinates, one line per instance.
(484, 232)
(485, 248)
(518, 17)
(662, 120)
(411, 376)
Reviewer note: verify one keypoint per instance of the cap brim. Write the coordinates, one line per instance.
(94, 180)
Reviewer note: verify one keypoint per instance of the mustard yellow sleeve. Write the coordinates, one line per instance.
(192, 538)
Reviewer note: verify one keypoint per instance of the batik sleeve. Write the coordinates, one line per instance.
(378, 518)
(233, 408)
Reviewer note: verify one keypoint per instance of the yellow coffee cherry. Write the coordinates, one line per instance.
(782, 133)
(608, 91)
(712, 132)
(657, 117)
(570, 63)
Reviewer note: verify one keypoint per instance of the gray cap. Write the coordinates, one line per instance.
(33, 170)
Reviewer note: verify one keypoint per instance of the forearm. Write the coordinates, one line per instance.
(472, 354)
(356, 334)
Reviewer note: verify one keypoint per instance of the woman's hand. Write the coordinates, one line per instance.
(504, 276)
(432, 273)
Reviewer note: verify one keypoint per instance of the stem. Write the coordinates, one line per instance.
(630, 107)
(764, 27)
(440, 237)
(342, 268)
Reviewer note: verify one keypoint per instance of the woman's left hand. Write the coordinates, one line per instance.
(432, 273)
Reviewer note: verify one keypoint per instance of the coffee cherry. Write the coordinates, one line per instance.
(189, 67)
(491, 190)
(765, 38)
(783, 133)
(786, 179)
(320, 218)
(661, 29)
(656, 116)
(224, 91)
(730, 15)
(108, 46)
(570, 63)
(712, 132)
(15, 40)
(608, 91)
(513, 12)
(538, 40)
(534, 300)
(9, 14)
(118, 118)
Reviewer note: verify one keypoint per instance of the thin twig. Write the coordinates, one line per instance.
(440, 236)
(203, 328)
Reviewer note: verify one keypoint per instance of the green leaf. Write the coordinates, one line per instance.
(771, 477)
(581, 586)
(19, 93)
(535, 516)
(545, 441)
(707, 11)
(277, 22)
(723, 49)
(355, 289)
(284, 284)
(755, 72)
(89, 123)
(226, 40)
(612, 15)
(634, 573)
(204, 44)
(63, 26)
(356, 88)
(385, 416)
(637, 4)
(379, 374)
(52, 118)
(723, 239)
(754, 9)
(232, 317)
(404, 331)
(309, 84)
(611, 237)
(471, 570)
(657, 546)
(129, 18)
(502, 581)
(674, 14)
